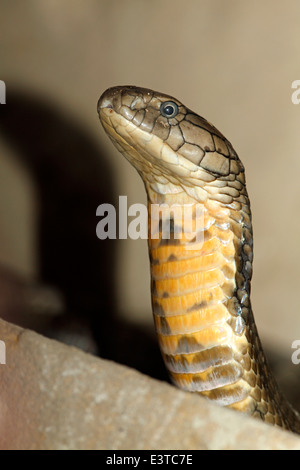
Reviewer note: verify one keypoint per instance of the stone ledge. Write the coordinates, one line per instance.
(54, 396)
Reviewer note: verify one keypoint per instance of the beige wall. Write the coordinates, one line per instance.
(231, 61)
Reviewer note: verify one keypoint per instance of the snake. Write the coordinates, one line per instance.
(201, 268)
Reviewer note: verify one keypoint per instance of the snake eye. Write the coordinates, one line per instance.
(169, 109)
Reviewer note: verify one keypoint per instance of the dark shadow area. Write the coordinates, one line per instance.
(72, 177)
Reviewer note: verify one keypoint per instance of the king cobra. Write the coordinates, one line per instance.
(200, 286)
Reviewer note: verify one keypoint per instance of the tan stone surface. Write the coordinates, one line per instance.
(54, 396)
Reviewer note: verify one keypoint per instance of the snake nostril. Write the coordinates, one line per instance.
(104, 103)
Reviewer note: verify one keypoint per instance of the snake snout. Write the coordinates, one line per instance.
(107, 99)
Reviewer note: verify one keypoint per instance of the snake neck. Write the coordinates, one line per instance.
(200, 285)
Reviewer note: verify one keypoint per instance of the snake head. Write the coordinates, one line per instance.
(166, 141)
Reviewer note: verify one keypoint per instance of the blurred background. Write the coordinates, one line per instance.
(231, 61)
